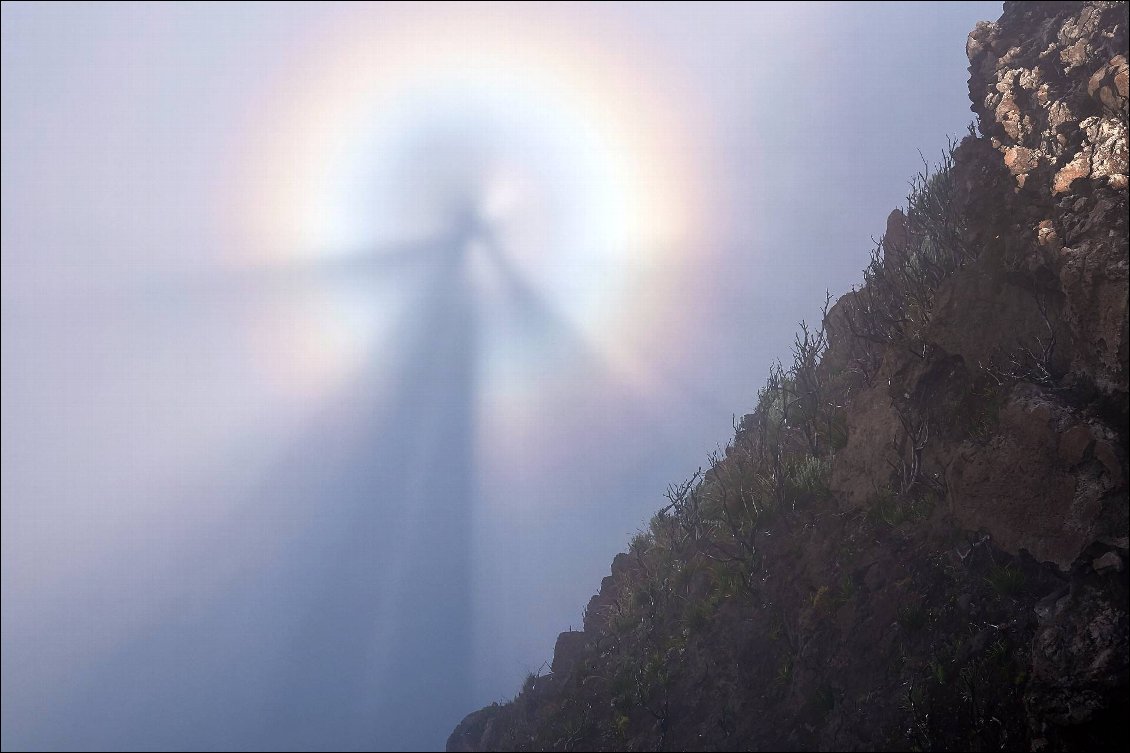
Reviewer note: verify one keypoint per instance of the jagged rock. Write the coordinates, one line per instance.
(475, 732)
(1077, 697)
(861, 469)
(569, 648)
(897, 237)
(1109, 85)
(1106, 562)
(1074, 443)
(1046, 85)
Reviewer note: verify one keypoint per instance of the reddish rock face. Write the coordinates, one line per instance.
(1036, 486)
(1049, 85)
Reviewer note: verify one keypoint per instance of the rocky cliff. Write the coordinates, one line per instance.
(918, 539)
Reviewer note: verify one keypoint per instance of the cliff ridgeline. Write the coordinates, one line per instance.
(918, 539)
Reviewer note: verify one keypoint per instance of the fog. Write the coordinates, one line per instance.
(345, 345)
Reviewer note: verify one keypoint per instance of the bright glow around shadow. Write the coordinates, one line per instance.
(345, 344)
(578, 171)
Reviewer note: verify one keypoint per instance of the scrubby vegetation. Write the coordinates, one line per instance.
(702, 566)
(894, 304)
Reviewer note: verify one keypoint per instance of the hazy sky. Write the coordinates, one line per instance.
(344, 345)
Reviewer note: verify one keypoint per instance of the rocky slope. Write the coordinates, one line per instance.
(918, 540)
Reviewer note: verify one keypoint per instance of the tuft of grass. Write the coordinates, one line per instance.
(808, 477)
(891, 509)
(1007, 580)
(998, 652)
(885, 508)
(820, 599)
(912, 617)
(984, 424)
(784, 671)
(847, 590)
(778, 629)
(938, 671)
(698, 614)
(621, 723)
(977, 417)
(727, 582)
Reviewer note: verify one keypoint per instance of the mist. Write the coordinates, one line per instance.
(344, 346)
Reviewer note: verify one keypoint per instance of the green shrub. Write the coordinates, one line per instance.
(808, 477)
(886, 508)
(641, 542)
(893, 509)
(894, 305)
